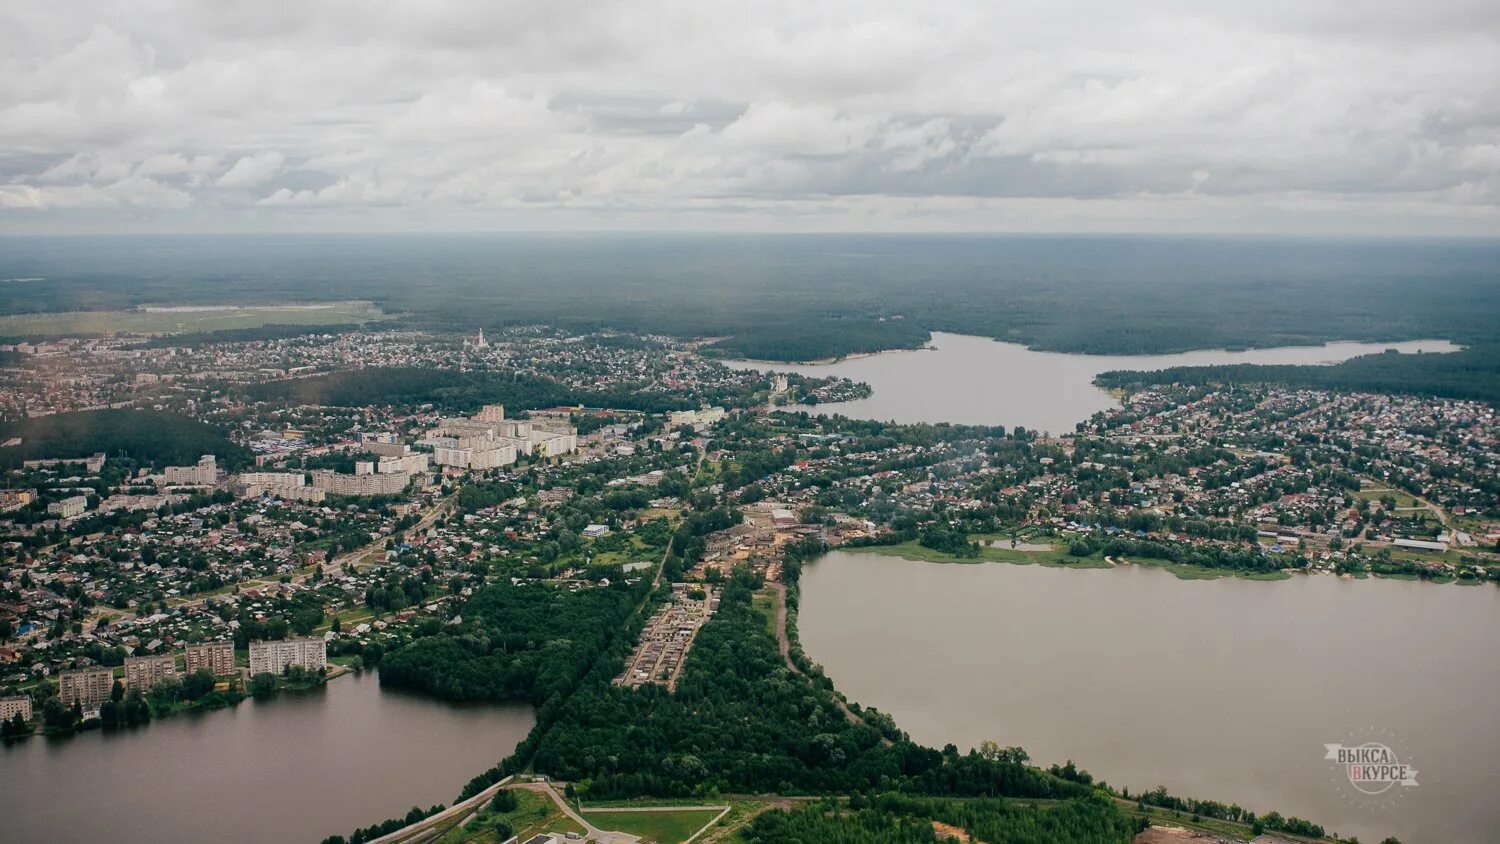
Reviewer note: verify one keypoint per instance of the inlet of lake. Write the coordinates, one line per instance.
(299, 767)
(978, 381)
(1223, 689)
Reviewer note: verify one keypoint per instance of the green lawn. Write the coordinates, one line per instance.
(765, 604)
(534, 814)
(664, 827)
(1402, 499)
(176, 322)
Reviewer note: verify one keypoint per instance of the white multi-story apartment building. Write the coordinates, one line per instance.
(206, 473)
(410, 463)
(276, 657)
(68, 508)
(488, 430)
(272, 479)
(370, 483)
(217, 657)
(88, 687)
(553, 441)
(291, 486)
(481, 455)
(144, 672)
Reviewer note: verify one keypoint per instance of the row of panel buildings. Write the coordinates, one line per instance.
(91, 687)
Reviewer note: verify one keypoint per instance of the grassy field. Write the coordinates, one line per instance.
(185, 320)
(533, 815)
(1402, 499)
(765, 603)
(664, 827)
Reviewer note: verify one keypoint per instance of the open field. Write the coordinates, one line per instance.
(665, 827)
(765, 603)
(176, 321)
(1401, 498)
(533, 815)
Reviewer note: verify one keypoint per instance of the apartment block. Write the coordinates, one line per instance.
(68, 508)
(206, 473)
(88, 687)
(410, 463)
(144, 672)
(276, 657)
(217, 657)
(14, 705)
(368, 483)
(481, 455)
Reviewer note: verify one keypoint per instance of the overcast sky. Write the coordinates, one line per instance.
(1347, 116)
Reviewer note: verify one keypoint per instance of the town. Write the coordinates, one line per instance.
(255, 517)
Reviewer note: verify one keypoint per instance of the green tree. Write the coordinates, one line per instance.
(263, 685)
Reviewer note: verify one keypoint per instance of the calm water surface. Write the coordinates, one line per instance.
(978, 381)
(1222, 689)
(298, 768)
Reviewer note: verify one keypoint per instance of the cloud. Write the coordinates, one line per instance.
(1087, 114)
(252, 170)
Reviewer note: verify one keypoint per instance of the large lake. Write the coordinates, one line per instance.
(1222, 689)
(297, 768)
(978, 381)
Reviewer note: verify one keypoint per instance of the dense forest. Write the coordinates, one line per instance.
(813, 339)
(449, 391)
(148, 436)
(518, 642)
(812, 297)
(739, 721)
(1473, 373)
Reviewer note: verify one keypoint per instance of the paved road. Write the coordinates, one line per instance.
(593, 832)
(429, 828)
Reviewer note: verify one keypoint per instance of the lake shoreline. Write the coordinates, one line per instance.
(971, 380)
(1223, 730)
(1059, 559)
(932, 347)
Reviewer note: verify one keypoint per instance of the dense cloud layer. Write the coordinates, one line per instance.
(1164, 115)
